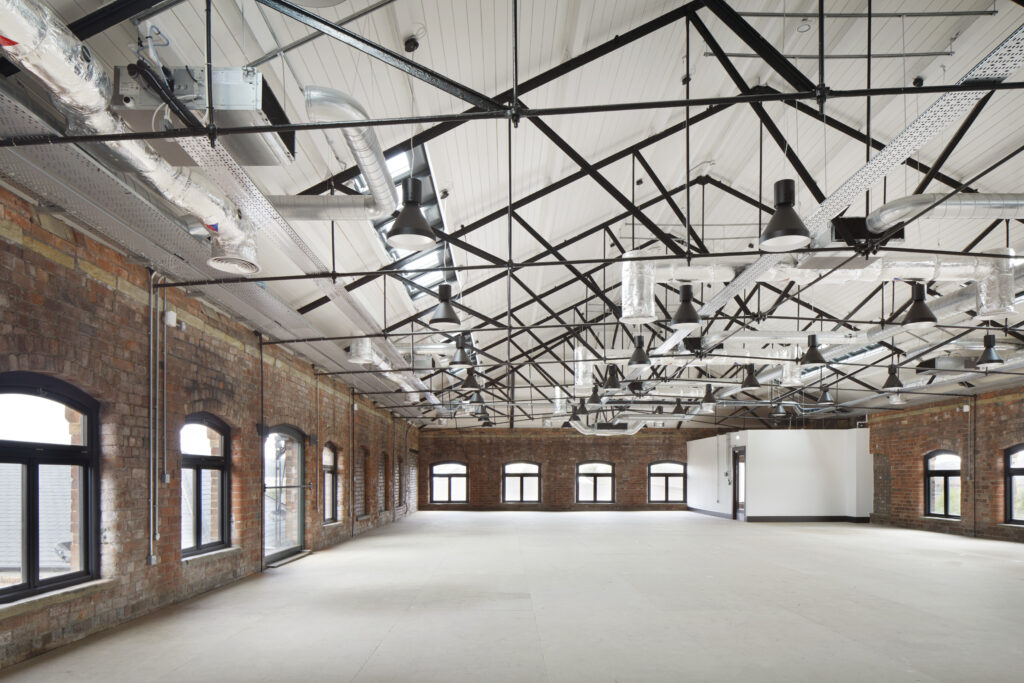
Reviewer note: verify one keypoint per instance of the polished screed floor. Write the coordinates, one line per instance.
(591, 596)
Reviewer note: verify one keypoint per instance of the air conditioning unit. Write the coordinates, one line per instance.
(240, 98)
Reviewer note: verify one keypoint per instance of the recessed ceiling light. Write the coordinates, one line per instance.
(804, 26)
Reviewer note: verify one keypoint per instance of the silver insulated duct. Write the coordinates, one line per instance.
(959, 206)
(325, 104)
(40, 44)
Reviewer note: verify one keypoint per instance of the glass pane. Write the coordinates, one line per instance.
(936, 496)
(1017, 459)
(521, 468)
(531, 489)
(33, 418)
(60, 520)
(440, 489)
(944, 461)
(657, 489)
(328, 458)
(197, 439)
(595, 468)
(458, 485)
(188, 508)
(1017, 491)
(512, 489)
(954, 496)
(11, 522)
(604, 489)
(281, 459)
(281, 515)
(328, 495)
(676, 492)
(209, 489)
(450, 468)
(667, 468)
(586, 489)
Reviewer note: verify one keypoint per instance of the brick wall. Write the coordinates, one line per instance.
(75, 309)
(557, 451)
(980, 436)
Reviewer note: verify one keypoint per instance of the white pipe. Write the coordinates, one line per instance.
(964, 206)
(38, 42)
(325, 105)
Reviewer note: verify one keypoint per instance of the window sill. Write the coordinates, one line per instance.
(360, 518)
(331, 525)
(37, 602)
(212, 554)
(937, 518)
(1012, 525)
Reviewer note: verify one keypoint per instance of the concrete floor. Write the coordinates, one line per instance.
(591, 596)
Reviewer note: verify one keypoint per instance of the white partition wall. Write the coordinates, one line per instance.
(791, 475)
(708, 489)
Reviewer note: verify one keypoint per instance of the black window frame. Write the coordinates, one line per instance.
(464, 475)
(30, 455)
(1010, 473)
(595, 475)
(651, 475)
(361, 471)
(333, 471)
(521, 476)
(198, 463)
(945, 475)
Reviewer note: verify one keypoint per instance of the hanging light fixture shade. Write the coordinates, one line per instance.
(679, 410)
(461, 358)
(779, 411)
(581, 409)
(892, 382)
(785, 231)
(639, 359)
(566, 425)
(686, 316)
(611, 379)
(481, 411)
(825, 398)
(594, 401)
(575, 417)
(445, 316)
(470, 382)
(750, 381)
(813, 355)
(709, 397)
(410, 231)
(989, 359)
(918, 316)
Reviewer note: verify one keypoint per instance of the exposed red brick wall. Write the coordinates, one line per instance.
(75, 309)
(557, 451)
(993, 422)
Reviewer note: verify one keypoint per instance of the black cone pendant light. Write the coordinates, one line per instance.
(410, 231)
(445, 317)
(825, 398)
(686, 316)
(989, 359)
(779, 411)
(892, 382)
(709, 397)
(813, 355)
(918, 316)
(470, 381)
(639, 359)
(750, 381)
(785, 231)
(594, 401)
(679, 410)
(461, 358)
(611, 379)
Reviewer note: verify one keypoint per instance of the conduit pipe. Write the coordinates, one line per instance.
(327, 105)
(38, 42)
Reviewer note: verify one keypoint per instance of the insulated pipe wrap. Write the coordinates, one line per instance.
(961, 206)
(638, 280)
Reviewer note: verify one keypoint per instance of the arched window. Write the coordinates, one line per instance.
(1015, 485)
(666, 482)
(942, 484)
(520, 483)
(205, 445)
(330, 465)
(595, 482)
(359, 483)
(448, 483)
(49, 485)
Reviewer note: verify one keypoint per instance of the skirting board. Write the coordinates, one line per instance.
(723, 515)
(836, 518)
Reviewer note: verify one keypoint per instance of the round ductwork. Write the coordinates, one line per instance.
(638, 281)
(236, 254)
